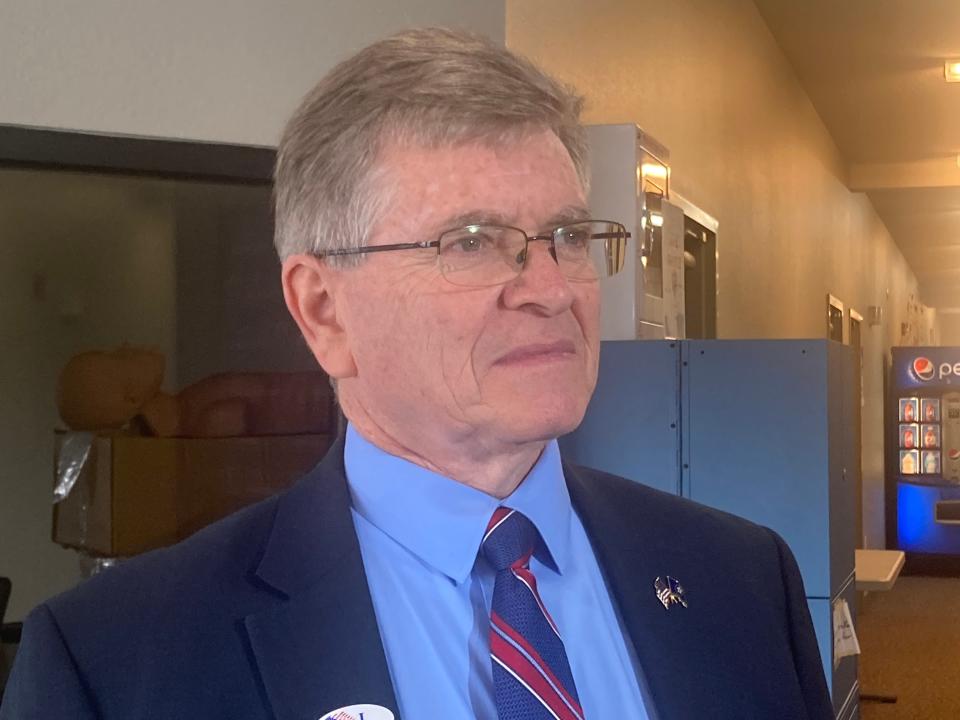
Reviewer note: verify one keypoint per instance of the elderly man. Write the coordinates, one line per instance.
(441, 261)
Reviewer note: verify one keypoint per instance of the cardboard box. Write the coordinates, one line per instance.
(135, 494)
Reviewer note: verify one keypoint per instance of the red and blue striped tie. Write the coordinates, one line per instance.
(531, 675)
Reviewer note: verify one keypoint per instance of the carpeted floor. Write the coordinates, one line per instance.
(910, 645)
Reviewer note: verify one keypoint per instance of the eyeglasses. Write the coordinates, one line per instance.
(486, 255)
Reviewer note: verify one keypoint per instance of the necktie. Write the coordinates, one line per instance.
(531, 675)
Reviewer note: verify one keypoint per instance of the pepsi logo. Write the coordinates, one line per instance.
(923, 369)
(954, 454)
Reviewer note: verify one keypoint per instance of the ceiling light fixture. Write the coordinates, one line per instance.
(951, 70)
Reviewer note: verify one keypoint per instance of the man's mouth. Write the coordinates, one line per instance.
(539, 352)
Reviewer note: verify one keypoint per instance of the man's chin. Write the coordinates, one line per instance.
(538, 420)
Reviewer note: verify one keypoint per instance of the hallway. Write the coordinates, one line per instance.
(910, 640)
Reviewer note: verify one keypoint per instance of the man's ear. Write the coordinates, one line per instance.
(310, 291)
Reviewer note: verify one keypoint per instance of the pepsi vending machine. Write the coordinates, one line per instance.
(923, 449)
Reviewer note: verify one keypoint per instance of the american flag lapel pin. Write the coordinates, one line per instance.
(669, 592)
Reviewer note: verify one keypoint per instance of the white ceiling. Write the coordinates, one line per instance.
(874, 71)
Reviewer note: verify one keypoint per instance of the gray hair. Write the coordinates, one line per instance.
(432, 87)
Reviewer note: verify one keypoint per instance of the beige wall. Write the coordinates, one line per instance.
(199, 69)
(950, 329)
(707, 79)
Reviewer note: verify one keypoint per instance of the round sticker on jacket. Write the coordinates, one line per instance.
(358, 712)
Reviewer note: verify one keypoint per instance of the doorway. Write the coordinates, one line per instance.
(700, 279)
(856, 342)
(107, 240)
(700, 259)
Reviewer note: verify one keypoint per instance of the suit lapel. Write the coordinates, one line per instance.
(318, 647)
(633, 551)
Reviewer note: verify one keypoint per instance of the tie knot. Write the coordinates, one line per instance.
(510, 539)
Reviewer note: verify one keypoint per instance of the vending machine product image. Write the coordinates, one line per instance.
(923, 457)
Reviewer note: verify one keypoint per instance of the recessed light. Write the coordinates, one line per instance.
(951, 70)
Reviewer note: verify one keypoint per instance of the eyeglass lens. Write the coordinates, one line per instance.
(483, 255)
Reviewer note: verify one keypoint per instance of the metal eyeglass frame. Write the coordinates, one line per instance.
(426, 244)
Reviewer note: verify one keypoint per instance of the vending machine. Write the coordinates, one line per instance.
(923, 449)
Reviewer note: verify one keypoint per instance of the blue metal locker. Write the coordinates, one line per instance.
(632, 425)
(765, 438)
(759, 428)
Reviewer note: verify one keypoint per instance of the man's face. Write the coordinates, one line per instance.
(499, 365)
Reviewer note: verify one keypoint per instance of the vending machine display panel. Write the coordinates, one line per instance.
(951, 437)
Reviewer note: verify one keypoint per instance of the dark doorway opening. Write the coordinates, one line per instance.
(700, 279)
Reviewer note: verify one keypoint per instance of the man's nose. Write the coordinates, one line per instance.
(540, 283)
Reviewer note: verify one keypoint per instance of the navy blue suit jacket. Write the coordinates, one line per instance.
(266, 614)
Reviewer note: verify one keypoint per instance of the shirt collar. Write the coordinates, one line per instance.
(442, 521)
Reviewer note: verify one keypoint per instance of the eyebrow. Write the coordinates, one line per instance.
(567, 214)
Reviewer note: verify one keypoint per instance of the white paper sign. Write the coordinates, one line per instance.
(358, 712)
(845, 641)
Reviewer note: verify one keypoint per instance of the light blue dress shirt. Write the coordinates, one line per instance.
(419, 537)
